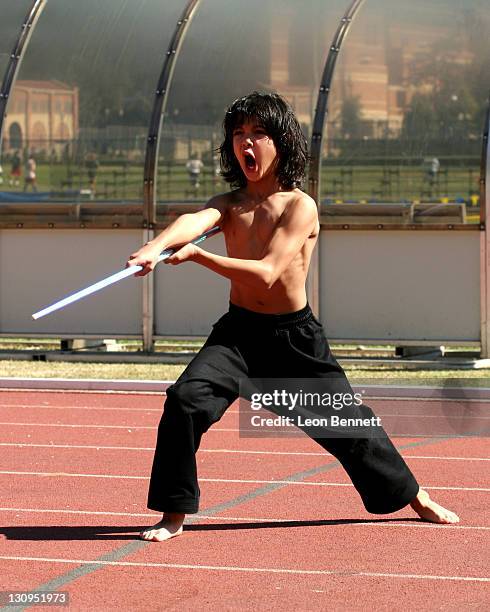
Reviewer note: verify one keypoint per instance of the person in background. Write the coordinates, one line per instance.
(433, 166)
(30, 174)
(194, 168)
(15, 170)
(92, 165)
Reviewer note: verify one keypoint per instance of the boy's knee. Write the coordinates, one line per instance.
(184, 396)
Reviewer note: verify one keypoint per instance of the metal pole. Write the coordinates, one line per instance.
(148, 308)
(321, 111)
(485, 240)
(151, 160)
(17, 56)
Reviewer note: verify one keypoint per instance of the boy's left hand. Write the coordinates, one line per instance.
(186, 253)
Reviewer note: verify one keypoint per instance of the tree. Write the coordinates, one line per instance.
(351, 118)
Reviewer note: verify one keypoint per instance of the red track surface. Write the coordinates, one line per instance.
(74, 473)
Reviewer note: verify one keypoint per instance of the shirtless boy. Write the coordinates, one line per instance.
(270, 228)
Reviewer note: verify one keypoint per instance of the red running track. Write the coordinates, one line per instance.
(74, 473)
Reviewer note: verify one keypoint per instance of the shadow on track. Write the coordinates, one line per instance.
(130, 532)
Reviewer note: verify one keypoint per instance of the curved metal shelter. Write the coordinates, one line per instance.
(112, 100)
(12, 61)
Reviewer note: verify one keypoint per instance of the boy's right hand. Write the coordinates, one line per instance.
(146, 257)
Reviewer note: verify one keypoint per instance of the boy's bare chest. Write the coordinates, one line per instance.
(247, 232)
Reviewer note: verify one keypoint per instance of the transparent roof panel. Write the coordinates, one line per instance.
(231, 49)
(12, 17)
(88, 85)
(407, 107)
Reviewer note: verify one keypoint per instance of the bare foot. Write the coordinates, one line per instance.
(169, 527)
(430, 511)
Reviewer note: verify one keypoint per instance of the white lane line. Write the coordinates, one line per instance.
(77, 426)
(379, 398)
(222, 451)
(125, 448)
(255, 570)
(229, 412)
(224, 480)
(253, 432)
(434, 416)
(101, 391)
(409, 400)
(258, 519)
(446, 458)
(118, 408)
(158, 387)
(148, 515)
(17, 424)
(72, 475)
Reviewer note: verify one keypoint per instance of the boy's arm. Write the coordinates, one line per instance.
(181, 231)
(297, 223)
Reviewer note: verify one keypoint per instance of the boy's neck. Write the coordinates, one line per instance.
(262, 189)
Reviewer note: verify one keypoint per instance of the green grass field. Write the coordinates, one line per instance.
(120, 180)
(356, 374)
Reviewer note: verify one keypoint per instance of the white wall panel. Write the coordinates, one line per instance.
(400, 285)
(375, 285)
(38, 267)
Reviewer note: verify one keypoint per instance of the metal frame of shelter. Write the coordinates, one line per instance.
(17, 55)
(321, 112)
(485, 239)
(151, 160)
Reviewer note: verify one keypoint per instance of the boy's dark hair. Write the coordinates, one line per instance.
(277, 117)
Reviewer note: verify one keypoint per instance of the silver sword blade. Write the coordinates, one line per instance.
(110, 280)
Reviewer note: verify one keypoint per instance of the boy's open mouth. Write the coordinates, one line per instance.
(250, 160)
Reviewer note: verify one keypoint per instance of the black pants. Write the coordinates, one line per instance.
(246, 344)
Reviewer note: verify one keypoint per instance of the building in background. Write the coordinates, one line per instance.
(378, 72)
(42, 117)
